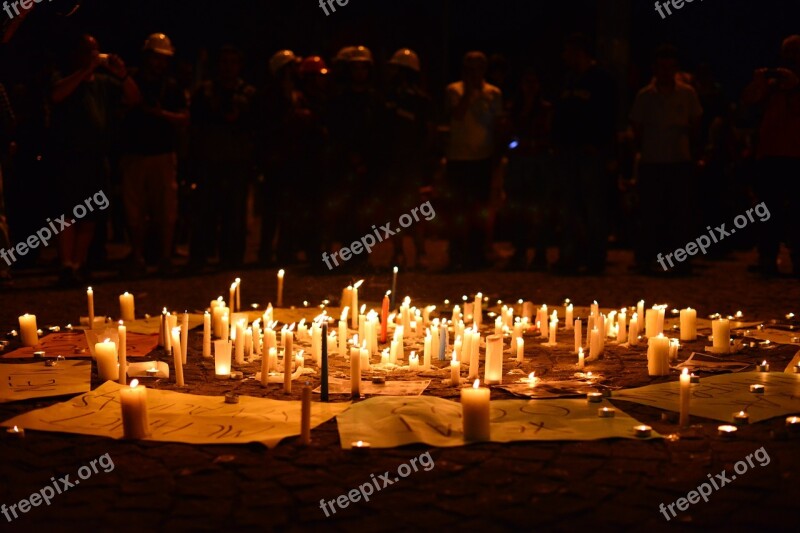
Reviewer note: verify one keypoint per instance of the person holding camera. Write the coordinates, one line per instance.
(86, 104)
(776, 95)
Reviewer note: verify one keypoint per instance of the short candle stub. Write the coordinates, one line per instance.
(727, 431)
(379, 380)
(757, 389)
(50, 362)
(793, 423)
(231, 397)
(38, 355)
(741, 418)
(360, 446)
(594, 397)
(643, 431)
(606, 412)
(16, 432)
(694, 378)
(236, 375)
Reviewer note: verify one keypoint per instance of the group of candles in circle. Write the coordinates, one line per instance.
(237, 340)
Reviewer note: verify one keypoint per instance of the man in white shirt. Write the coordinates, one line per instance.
(473, 106)
(665, 116)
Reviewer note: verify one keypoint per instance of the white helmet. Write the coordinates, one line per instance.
(160, 44)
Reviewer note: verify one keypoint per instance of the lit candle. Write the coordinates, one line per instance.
(688, 324)
(443, 339)
(763, 367)
(224, 326)
(185, 336)
(658, 355)
(343, 335)
(239, 342)
(477, 311)
(727, 431)
(394, 285)
(475, 412)
(222, 361)
(494, 360)
(568, 319)
(126, 307)
(553, 329)
(578, 335)
(633, 333)
(123, 353)
(354, 304)
(305, 417)
(355, 371)
(90, 301)
(384, 316)
(455, 372)
(793, 423)
(721, 335)
(177, 356)
(606, 412)
(324, 363)
(29, 333)
(594, 397)
(684, 397)
(133, 400)
(413, 362)
(279, 301)
(287, 368)
(474, 358)
(107, 365)
(581, 361)
(640, 308)
(238, 282)
(520, 350)
(622, 334)
(741, 418)
(594, 344)
(643, 431)
(757, 389)
(206, 334)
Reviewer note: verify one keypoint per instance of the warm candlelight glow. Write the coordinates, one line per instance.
(356, 285)
(476, 384)
(134, 383)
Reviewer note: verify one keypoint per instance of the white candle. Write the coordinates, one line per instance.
(28, 331)
(232, 297)
(685, 395)
(206, 334)
(239, 343)
(126, 307)
(238, 282)
(633, 334)
(135, 421)
(455, 372)
(520, 350)
(248, 344)
(107, 364)
(658, 355)
(177, 356)
(122, 331)
(568, 319)
(474, 358)
(477, 311)
(426, 352)
(279, 301)
(688, 324)
(721, 334)
(578, 334)
(185, 336)
(90, 302)
(594, 344)
(581, 361)
(475, 412)
(354, 305)
(343, 337)
(651, 322)
(287, 368)
(640, 308)
(413, 362)
(222, 360)
(355, 371)
(553, 329)
(494, 360)
(224, 327)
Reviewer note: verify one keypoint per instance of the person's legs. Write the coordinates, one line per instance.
(594, 225)
(163, 185)
(134, 194)
(771, 190)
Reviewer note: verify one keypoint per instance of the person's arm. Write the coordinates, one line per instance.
(64, 87)
(131, 95)
(459, 103)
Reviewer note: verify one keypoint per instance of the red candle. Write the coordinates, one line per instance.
(384, 316)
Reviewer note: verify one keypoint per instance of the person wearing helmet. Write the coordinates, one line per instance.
(222, 150)
(356, 134)
(149, 154)
(314, 83)
(284, 123)
(408, 156)
(474, 107)
(86, 103)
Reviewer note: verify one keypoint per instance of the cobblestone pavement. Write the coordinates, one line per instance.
(544, 485)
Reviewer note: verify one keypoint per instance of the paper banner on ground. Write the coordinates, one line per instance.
(390, 388)
(74, 344)
(179, 417)
(778, 336)
(703, 362)
(152, 325)
(36, 380)
(387, 421)
(718, 397)
(792, 364)
(551, 389)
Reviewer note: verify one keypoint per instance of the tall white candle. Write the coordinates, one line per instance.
(288, 356)
(633, 334)
(520, 350)
(455, 372)
(107, 364)
(688, 324)
(354, 305)
(238, 282)
(90, 302)
(426, 352)
(342, 337)
(658, 355)
(475, 412)
(578, 335)
(685, 395)
(185, 336)
(133, 400)
(594, 344)
(224, 326)
(206, 334)
(569, 320)
(222, 359)
(622, 334)
(477, 311)
(239, 343)
(474, 358)
(279, 301)
(126, 307)
(28, 331)
(721, 334)
(355, 371)
(232, 297)
(640, 309)
(494, 360)
(177, 356)
(123, 353)
(581, 361)
(266, 366)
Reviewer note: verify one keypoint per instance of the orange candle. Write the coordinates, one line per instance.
(384, 316)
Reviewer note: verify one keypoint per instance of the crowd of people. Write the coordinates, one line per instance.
(322, 153)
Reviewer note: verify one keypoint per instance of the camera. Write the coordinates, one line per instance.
(103, 59)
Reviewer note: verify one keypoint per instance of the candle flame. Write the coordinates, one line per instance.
(281, 273)
(388, 293)
(363, 308)
(764, 362)
(476, 384)
(532, 376)
(357, 284)
(134, 383)
(121, 322)
(16, 429)
(685, 372)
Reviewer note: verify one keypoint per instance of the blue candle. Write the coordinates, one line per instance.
(442, 339)
(324, 357)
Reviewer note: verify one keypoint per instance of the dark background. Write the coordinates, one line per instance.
(734, 36)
